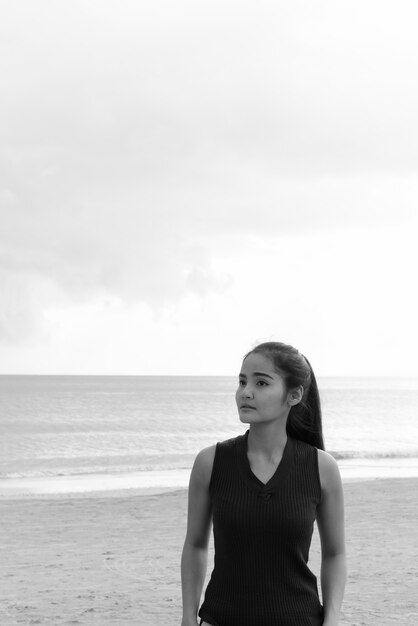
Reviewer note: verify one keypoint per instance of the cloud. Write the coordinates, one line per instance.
(19, 314)
(143, 145)
(138, 241)
(303, 90)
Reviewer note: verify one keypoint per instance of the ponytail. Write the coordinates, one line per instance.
(305, 419)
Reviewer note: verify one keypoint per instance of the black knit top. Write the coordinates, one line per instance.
(262, 536)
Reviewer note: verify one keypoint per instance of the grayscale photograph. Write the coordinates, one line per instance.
(208, 313)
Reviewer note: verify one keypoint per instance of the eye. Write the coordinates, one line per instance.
(261, 383)
(241, 383)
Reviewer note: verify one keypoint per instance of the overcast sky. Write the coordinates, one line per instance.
(181, 180)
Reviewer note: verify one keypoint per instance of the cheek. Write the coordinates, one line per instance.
(277, 400)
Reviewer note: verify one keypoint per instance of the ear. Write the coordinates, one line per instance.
(295, 396)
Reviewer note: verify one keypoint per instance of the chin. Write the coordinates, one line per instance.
(245, 418)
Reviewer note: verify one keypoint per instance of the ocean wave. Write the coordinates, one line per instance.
(90, 471)
(395, 454)
(181, 464)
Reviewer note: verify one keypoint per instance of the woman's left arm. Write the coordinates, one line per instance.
(330, 519)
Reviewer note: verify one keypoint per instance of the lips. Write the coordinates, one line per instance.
(247, 406)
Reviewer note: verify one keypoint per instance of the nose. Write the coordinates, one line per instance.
(247, 392)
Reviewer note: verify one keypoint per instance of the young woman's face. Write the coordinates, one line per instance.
(261, 395)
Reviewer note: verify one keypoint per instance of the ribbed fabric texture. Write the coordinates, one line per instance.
(262, 536)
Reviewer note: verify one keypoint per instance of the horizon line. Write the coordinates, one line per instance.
(404, 376)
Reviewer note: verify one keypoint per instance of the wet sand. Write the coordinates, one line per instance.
(114, 559)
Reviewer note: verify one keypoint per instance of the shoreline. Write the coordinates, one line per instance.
(162, 481)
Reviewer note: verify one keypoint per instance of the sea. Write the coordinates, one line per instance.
(83, 434)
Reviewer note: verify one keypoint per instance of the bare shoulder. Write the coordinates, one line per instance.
(329, 472)
(202, 467)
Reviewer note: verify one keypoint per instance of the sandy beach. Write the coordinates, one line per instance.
(114, 558)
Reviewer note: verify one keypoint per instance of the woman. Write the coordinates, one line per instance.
(263, 491)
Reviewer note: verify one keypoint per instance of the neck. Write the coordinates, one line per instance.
(267, 439)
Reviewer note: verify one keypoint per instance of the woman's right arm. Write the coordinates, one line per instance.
(195, 550)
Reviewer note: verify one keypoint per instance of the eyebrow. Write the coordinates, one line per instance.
(258, 374)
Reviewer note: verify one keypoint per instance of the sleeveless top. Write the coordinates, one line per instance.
(262, 535)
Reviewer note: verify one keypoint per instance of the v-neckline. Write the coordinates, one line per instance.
(280, 472)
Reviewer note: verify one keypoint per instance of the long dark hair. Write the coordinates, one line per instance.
(305, 418)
